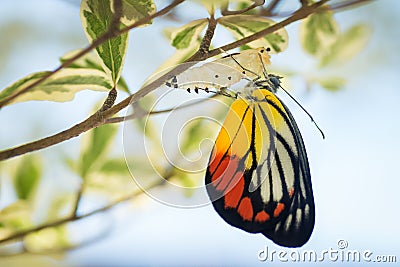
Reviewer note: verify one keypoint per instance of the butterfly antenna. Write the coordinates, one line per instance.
(309, 115)
(265, 72)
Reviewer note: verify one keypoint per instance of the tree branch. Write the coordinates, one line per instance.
(206, 41)
(73, 218)
(109, 34)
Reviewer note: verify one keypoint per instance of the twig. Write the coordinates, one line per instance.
(206, 41)
(72, 218)
(69, 247)
(226, 12)
(109, 34)
(271, 6)
(304, 2)
(350, 3)
(269, 10)
(335, 7)
(118, 13)
(77, 200)
(302, 13)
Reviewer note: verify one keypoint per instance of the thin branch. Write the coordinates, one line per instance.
(147, 19)
(271, 6)
(78, 198)
(118, 13)
(304, 2)
(335, 7)
(109, 34)
(302, 13)
(93, 121)
(206, 41)
(269, 10)
(69, 247)
(351, 3)
(73, 218)
(226, 12)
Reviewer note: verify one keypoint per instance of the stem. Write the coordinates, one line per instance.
(77, 200)
(73, 218)
(226, 12)
(349, 3)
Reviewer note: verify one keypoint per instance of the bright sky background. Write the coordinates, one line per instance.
(354, 170)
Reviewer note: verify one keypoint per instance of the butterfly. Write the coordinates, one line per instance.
(258, 176)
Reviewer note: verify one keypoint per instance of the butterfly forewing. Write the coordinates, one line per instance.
(258, 176)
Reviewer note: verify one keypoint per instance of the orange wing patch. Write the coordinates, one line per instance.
(245, 209)
(262, 216)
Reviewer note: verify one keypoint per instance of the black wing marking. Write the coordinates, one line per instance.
(296, 226)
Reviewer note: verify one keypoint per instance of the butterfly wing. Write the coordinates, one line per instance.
(258, 176)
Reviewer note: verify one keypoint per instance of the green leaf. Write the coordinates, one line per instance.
(318, 32)
(212, 5)
(193, 135)
(332, 84)
(60, 87)
(347, 45)
(91, 61)
(88, 61)
(60, 205)
(27, 177)
(115, 166)
(48, 239)
(16, 216)
(188, 183)
(135, 10)
(96, 17)
(244, 25)
(123, 86)
(97, 145)
(187, 35)
(240, 5)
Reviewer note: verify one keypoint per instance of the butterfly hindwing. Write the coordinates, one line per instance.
(258, 176)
